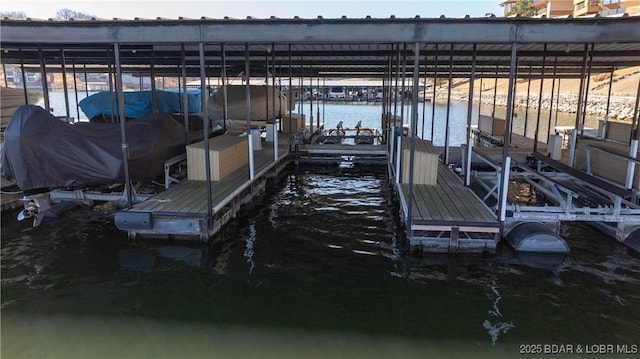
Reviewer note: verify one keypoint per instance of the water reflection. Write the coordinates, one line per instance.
(288, 280)
(248, 251)
(499, 327)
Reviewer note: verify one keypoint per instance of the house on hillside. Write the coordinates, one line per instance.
(578, 8)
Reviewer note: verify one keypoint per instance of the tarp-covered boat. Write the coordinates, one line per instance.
(261, 99)
(40, 152)
(140, 103)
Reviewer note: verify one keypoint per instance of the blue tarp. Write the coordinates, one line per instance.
(140, 103)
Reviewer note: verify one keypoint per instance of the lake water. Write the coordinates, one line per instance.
(316, 268)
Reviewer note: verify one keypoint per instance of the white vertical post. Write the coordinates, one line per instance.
(467, 174)
(504, 189)
(392, 139)
(572, 148)
(631, 166)
(399, 155)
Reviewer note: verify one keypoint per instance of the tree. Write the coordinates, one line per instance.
(67, 14)
(523, 8)
(13, 14)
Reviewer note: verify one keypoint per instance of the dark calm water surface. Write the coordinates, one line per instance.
(316, 268)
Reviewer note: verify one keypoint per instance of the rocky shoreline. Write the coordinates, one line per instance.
(621, 108)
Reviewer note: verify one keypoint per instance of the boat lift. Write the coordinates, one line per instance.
(571, 195)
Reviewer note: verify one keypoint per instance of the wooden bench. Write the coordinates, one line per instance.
(176, 160)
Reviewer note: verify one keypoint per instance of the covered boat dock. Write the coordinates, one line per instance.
(445, 215)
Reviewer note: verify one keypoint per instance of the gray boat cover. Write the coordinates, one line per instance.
(41, 152)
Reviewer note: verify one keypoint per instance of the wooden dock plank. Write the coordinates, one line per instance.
(453, 185)
(440, 204)
(419, 209)
(474, 204)
(189, 197)
(457, 196)
(427, 211)
(433, 211)
(446, 176)
(452, 203)
(448, 204)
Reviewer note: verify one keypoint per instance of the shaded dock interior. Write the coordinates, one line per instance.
(446, 213)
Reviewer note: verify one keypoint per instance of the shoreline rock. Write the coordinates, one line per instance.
(620, 107)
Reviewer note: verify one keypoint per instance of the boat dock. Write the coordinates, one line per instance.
(448, 203)
(182, 210)
(448, 217)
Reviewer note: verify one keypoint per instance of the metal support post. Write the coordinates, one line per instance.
(123, 130)
(467, 164)
(414, 124)
(506, 161)
(536, 133)
(205, 126)
(247, 64)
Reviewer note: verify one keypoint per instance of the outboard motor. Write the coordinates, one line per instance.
(35, 206)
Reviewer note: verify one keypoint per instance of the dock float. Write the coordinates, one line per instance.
(181, 210)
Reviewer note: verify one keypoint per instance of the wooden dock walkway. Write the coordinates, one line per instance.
(182, 209)
(449, 217)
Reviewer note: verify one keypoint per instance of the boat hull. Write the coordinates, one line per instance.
(263, 107)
